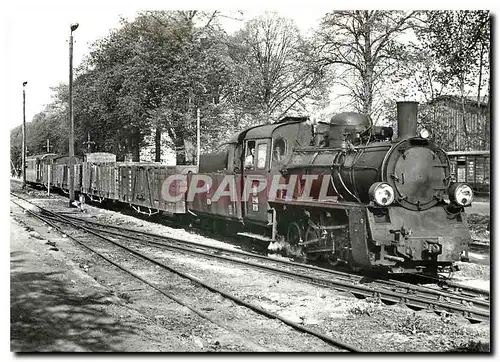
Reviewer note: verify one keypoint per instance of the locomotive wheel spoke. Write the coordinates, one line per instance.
(312, 234)
(294, 234)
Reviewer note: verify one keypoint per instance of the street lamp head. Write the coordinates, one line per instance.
(24, 83)
(74, 27)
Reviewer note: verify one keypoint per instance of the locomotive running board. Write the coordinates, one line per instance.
(255, 236)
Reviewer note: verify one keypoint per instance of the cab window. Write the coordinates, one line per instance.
(250, 155)
(261, 155)
(279, 149)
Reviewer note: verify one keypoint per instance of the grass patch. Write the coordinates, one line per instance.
(479, 226)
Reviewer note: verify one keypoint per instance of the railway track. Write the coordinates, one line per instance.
(471, 303)
(452, 289)
(55, 220)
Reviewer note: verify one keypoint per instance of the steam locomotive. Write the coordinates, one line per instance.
(345, 191)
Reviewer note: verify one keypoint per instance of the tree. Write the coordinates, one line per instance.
(16, 147)
(365, 48)
(275, 75)
(155, 72)
(458, 42)
(192, 73)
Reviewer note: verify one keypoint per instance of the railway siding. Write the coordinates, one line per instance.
(388, 291)
(335, 313)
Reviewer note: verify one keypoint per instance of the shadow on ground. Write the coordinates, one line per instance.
(473, 347)
(45, 316)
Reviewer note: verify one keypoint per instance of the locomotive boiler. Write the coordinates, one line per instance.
(374, 201)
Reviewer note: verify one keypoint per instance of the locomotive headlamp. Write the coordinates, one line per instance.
(461, 194)
(424, 133)
(382, 193)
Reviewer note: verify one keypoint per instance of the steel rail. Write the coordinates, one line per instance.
(409, 288)
(450, 288)
(126, 270)
(214, 289)
(418, 301)
(414, 301)
(457, 288)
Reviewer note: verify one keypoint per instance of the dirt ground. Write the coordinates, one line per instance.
(63, 299)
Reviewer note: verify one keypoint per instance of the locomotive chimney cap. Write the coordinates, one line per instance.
(406, 102)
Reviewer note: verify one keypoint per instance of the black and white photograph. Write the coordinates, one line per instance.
(283, 178)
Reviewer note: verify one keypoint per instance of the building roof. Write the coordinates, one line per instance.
(43, 156)
(470, 100)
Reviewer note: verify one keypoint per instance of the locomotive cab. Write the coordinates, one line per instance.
(235, 181)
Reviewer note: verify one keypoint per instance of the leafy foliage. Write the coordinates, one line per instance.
(364, 48)
(278, 76)
(459, 42)
(50, 124)
(152, 74)
(451, 58)
(155, 72)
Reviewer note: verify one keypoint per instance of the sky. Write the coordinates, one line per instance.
(36, 42)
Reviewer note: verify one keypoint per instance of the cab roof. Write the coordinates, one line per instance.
(264, 130)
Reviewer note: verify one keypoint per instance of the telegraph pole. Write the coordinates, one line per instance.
(23, 157)
(49, 169)
(71, 179)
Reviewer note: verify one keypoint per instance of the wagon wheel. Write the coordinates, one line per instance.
(295, 233)
(312, 234)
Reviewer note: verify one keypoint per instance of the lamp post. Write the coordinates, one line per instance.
(71, 179)
(198, 138)
(23, 152)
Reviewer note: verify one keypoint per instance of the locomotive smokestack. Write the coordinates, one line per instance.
(407, 119)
